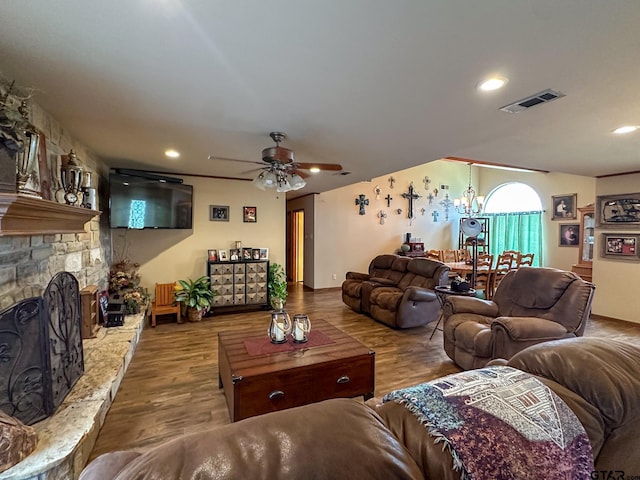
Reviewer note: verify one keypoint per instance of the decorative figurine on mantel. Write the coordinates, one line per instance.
(361, 201)
(71, 175)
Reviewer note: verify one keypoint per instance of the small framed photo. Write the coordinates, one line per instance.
(255, 254)
(621, 246)
(569, 235)
(234, 254)
(222, 256)
(219, 213)
(213, 255)
(264, 254)
(564, 206)
(249, 214)
(247, 253)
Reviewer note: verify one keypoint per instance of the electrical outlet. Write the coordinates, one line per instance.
(334, 276)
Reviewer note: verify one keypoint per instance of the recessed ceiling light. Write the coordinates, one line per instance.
(625, 129)
(493, 83)
(172, 153)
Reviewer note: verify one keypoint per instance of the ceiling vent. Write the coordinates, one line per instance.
(542, 97)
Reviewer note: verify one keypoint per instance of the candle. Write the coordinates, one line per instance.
(298, 332)
(279, 331)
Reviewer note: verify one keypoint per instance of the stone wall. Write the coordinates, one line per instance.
(27, 263)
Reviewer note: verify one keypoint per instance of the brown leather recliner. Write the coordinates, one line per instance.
(530, 306)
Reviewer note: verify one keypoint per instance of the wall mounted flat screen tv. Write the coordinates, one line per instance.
(139, 201)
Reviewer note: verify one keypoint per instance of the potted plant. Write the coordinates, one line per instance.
(196, 296)
(277, 286)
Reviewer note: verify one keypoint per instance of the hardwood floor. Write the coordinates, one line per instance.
(171, 386)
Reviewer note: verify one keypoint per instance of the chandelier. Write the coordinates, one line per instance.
(277, 176)
(469, 204)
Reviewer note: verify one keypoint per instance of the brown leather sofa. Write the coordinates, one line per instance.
(345, 439)
(397, 291)
(530, 305)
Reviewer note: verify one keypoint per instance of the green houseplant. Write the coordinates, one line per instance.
(277, 286)
(196, 295)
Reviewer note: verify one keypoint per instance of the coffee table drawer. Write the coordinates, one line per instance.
(350, 378)
(270, 393)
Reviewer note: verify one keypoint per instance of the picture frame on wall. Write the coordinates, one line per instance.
(618, 211)
(213, 255)
(249, 214)
(219, 213)
(569, 235)
(621, 246)
(564, 207)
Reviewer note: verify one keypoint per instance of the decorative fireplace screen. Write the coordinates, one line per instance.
(41, 355)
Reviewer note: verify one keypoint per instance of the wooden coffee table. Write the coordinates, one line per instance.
(257, 383)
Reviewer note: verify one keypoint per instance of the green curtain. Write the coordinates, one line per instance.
(520, 231)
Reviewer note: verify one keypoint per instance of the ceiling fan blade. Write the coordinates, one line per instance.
(299, 172)
(322, 166)
(251, 171)
(213, 157)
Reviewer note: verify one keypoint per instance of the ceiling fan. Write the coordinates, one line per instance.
(281, 171)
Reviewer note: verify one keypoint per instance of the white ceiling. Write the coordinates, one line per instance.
(374, 85)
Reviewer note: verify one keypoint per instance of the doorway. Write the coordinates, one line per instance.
(296, 239)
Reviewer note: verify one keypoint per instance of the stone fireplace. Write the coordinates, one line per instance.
(41, 355)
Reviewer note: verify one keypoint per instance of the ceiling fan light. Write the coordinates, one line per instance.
(283, 185)
(296, 182)
(258, 182)
(270, 179)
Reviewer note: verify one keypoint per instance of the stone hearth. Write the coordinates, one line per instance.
(65, 440)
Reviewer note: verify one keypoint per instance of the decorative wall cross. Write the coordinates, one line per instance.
(422, 210)
(361, 202)
(411, 196)
(388, 198)
(446, 203)
(427, 182)
(435, 214)
(391, 182)
(430, 197)
(382, 215)
(377, 190)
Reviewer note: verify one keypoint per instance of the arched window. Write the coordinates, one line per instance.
(515, 220)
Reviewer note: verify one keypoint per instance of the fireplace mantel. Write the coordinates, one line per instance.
(21, 215)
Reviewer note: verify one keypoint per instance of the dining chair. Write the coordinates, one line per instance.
(462, 255)
(504, 264)
(164, 302)
(484, 271)
(525, 260)
(449, 256)
(514, 254)
(434, 255)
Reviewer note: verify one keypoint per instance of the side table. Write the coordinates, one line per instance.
(441, 293)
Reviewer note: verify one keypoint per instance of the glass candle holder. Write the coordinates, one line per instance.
(301, 328)
(279, 327)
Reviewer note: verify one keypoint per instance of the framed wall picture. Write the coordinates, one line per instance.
(569, 235)
(222, 256)
(219, 213)
(213, 255)
(564, 206)
(623, 246)
(249, 214)
(618, 210)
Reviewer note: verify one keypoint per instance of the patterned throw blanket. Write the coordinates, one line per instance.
(501, 423)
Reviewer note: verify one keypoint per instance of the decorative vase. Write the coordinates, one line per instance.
(194, 314)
